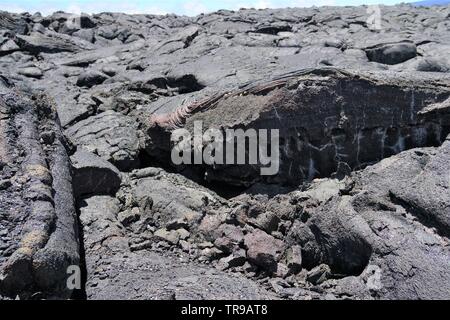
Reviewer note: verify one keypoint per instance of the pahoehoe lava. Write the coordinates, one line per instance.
(360, 208)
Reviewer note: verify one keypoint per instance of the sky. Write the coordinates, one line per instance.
(182, 7)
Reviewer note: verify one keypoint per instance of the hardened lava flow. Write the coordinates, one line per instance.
(93, 207)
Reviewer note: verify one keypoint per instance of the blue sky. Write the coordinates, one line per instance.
(187, 7)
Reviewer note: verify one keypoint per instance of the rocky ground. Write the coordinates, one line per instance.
(360, 208)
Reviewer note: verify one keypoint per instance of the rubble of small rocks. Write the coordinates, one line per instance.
(360, 208)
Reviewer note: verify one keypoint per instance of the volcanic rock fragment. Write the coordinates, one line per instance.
(263, 249)
(91, 78)
(93, 175)
(31, 72)
(392, 53)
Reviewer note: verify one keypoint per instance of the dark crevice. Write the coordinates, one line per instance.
(79, 119)
(145, 161)
(273, 30)
(337, 155)
(193, 173)
(346, 256)
(166, 86)
(80, 294)
(223, 189)
(186, 84)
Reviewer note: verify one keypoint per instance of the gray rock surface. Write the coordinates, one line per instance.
(93, 175)
(110, 135)
(358, 210)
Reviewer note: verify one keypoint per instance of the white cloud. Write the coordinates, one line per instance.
(260, 4)
(263, 4)
(124, 8)
(90, 8)
(190, 7)
(155, 10)
(310, 3)
(74, 9)
(194, 7)
(12, 8)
